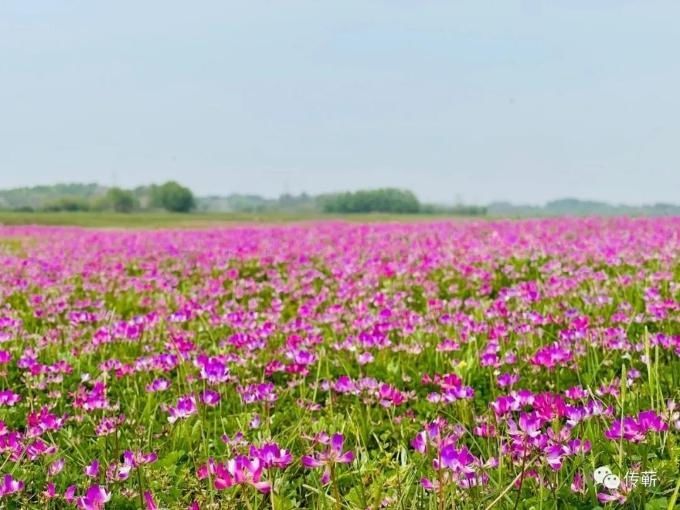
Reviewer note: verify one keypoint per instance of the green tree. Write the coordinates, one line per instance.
(173, 197)
(71, 204)
(386, 200)
(121, 200)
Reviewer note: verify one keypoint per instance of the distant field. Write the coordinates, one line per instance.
(185, 220)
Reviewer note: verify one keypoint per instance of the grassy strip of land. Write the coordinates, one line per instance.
(189, 220)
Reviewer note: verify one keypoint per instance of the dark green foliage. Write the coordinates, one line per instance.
(70, 204)
(173, 197)
(121, 200)
(386, 200)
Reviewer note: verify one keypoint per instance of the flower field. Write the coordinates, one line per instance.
(467, 365)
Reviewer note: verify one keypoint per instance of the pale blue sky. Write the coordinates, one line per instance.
(482, 100)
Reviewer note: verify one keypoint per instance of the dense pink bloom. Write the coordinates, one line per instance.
(240, 470)
(636, 429)
(552, 356)
(272, 455)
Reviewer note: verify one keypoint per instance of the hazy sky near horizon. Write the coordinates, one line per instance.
(476, 100)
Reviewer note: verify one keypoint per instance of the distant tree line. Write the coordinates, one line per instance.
(392, 201)
(385, 200)
(170, 196)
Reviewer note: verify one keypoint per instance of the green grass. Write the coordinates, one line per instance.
(189, 220)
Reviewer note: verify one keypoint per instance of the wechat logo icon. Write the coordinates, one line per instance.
(603, 475)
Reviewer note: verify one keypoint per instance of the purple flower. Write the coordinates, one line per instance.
(213, 369)
(334, 454)
(9, 398)
(240, 470)
(10, 486)
(92, 470)
(186, 406)
(210, 398)
(551, 356)
(157, 385)
(95, 498)
(272, 455)
(263, 392)
(635, 429)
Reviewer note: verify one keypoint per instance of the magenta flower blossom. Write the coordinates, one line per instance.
(505, 380)
(213, 369)
(157, 385)
(50, 491)
(44, 421)
(634, 429)
(92, 399)
(272, 456)
(240, 470)
(528, 425)
(10, 486)
(149, 502)
(334, 454)
(552, 356)
(95, 498)
(456, 459)
(131, 460)
(186, 407)
(70, 493)
(210, 398)
(263, 392)
(365, 358)
(9, 398)
(456, 465)
(92, 469)
(56, 467)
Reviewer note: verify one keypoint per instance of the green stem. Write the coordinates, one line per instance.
(336, 489)
(141, 487)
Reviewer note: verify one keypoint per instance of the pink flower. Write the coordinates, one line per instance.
(505, 380)
(578, 485)
(240, 470)
(157, 385)
(131, 460)
(149, 502)
(213, 369)
(551, 356)
(10, 486)
(263, 392)
(9, 398)
(56, 467)
(50, 491)
(334, 454)
(95, 498)
(364, 358)
(210, 398)
(455, 459)
(186, 406)
(92, 470)
(635, 430)
(272, 455)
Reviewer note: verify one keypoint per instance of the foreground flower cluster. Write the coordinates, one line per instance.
(444, 365)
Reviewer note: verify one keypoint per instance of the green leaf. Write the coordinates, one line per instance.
(657, 504)
(170, 459)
